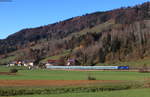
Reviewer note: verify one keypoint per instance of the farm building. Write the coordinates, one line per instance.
(52, 62)
(14, 63)
(28, 63)
(21, 63)
(70, 62)
(11, 64)
(55, 63)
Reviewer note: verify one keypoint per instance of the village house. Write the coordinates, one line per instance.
(21, 63)
(51, 63)
(70, 62)
(14, 63)
(11, 64)
(28, 63)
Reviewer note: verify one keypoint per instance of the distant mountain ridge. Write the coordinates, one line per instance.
(111, 34)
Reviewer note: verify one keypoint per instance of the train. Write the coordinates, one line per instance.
(90, 67)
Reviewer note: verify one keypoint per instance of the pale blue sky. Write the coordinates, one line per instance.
(20, 14)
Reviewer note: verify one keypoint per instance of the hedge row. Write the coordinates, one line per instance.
(78, 89)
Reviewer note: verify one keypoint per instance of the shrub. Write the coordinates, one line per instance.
(91, 77)
(13, 70)
(144, 69)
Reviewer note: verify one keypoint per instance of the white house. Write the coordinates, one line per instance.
(11, 64)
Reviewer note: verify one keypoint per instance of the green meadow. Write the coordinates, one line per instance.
(45, 74)
(127, 88)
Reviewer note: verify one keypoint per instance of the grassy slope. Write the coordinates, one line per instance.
(56, 57)
(99, 28)
(96, 29)
(135, 63)
(7, 59)
(124, 93)
(73, 75)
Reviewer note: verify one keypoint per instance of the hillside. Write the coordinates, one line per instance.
(102, 37)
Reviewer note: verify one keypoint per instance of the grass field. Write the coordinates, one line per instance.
(43, 74)
(62, 75)
(122, 93)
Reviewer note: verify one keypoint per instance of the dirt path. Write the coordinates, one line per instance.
(52, 82)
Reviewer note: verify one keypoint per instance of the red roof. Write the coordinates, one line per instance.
(52, 60)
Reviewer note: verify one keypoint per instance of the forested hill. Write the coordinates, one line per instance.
(116, 35)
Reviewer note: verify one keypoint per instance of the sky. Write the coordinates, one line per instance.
(20, 14)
